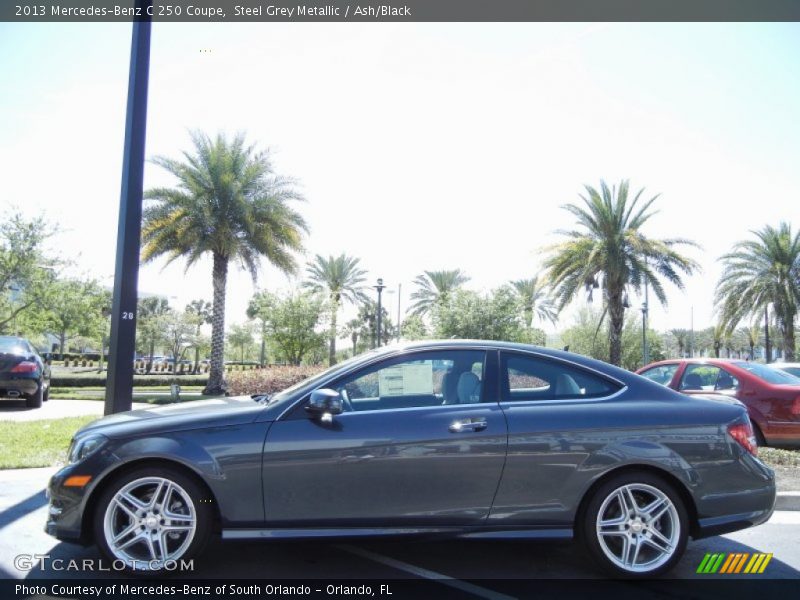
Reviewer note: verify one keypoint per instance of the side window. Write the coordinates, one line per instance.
(421, 379)
(707, 378)
(662, 374)
(530, 378)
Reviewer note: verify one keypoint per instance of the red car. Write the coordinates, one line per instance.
(772, 397)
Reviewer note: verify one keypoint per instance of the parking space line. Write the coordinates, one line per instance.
(464, 586)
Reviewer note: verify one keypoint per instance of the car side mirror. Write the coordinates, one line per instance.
(324, 403)
(47, 357)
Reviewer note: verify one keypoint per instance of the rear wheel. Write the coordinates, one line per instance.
(636, 525)
(151, 518)
(761, 441)
(35, 399)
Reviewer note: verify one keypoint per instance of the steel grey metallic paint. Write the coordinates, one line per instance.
(273, 472)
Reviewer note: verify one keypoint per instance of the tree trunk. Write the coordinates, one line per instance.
(152, 352)
(788, 341)
(102, 353)
(61, 341)
(617, 314)
(332, 349)
(263, 356)
(216, 375)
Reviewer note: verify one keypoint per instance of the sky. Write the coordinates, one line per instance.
(418, 146)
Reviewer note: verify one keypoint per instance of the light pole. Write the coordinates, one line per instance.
(767, 349)
(645, 349)
(380, 287)
(399, 291)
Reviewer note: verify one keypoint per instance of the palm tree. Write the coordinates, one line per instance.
(150, 315)
(682, 338)
(612, 253)
(534, 300)
(199, 313)
(759, 272)
(229, 203)
(339, 278)
(752, 335)
(434, 287)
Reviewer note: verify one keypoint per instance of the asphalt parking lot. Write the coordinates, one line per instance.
(15, 410)
(465, 566)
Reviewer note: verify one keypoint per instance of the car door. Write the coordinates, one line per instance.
(421, 441)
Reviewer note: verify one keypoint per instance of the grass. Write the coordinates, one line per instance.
(775, 457)
(26, 444)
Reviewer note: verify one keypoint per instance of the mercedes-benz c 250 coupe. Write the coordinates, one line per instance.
(466, 439)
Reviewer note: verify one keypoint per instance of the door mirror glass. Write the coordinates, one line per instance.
(324, 401)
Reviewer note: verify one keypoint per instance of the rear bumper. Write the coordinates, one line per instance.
(750, 502)
(20, 385)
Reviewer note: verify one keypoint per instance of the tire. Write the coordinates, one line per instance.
(46, 394)
(761, 441)
(156, 534)
(35, 399)
(635, 542)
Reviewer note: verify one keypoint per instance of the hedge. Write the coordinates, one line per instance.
(267, 381)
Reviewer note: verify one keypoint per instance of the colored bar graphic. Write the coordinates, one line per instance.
(734, 563)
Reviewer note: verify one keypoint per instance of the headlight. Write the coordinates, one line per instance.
(83, 447)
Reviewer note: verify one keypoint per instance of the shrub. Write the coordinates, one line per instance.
(268, 381)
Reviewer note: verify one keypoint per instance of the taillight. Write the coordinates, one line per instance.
(796, 406)
(743, 434)
(25, 367)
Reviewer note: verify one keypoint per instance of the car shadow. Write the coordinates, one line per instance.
(22, 508)
(13, 405)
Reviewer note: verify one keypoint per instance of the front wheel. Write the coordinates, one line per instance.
(151, 519)
(636, 526)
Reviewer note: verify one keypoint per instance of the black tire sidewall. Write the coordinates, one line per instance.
(587, 525)
(35, 399)
(196, 493)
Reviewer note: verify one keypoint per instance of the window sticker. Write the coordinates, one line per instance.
(406, 380)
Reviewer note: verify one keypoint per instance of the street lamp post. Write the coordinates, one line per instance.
(380, 287)
(645, 308)
(399, 291)
(767, 349)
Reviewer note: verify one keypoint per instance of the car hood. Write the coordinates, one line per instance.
(217, 412)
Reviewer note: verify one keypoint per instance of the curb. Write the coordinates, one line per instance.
(787, 501)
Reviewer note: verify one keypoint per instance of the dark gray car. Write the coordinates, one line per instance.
(459, 438)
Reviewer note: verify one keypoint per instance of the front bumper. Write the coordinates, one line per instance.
(67, 517)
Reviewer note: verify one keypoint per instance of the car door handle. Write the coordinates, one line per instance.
(468, 425)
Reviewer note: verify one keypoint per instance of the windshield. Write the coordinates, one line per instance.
(769, 375)
(312, 381)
